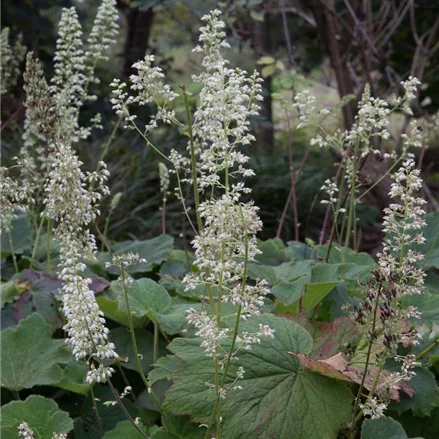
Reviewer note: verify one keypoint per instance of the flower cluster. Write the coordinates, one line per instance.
(227, 100)
(397, 276)
(25, 432)
(227, 240)
(102, 35)
(71, 199)
(10, 59)
(149, 87)
(164, 180)
(13, 197)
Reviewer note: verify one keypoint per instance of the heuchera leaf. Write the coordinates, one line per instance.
(145, 297)
(30, 357)
(125, 430)
(426, 396)
(279, 398)
(382, 428)
(9, 291)
(41, 414)
(155, 251)
(327, 337)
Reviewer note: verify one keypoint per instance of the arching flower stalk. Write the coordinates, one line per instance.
(380, 314)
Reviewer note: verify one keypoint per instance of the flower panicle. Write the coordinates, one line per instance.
(396, 276)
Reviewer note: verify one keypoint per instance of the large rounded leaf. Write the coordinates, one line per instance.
(145, 297)
(278, 399)
(29, 356)
(41, 414)
(382, 428)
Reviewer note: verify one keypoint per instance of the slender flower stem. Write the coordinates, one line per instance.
(156, 343)
(135, 349)
(96, 410)
(48, 240)
(366, 366)
(193, 161)
(111, 138)
(125, 411)
(133, 335)
(14, 259)
(37, 240)
(164, 217)
(427, 350)
(352, 199)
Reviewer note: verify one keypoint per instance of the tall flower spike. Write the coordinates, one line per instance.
(10, 59)
(13, 197)
(227, 100)
(396, 276)
(227, 240)
(74, 206)
(103, 34)
(68, 81)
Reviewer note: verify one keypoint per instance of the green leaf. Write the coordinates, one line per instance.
(300, 251)
(41, 414)
(289, 292)
(9, 291)
(431, 247)
(145, 297)
(155, 251)
(174, 321)
(164, 368)
(268, 70)
(336, 255)
(426, 396)
(20, 235)
(382, 428)
(125, 430)
(74, 378)
(273, 251)
(264, 60)
(426, 427)
(121, 337)
(29, 356)
(278, 399)
(108, 304)
(179, 427)
(328, 337)
(315, 293)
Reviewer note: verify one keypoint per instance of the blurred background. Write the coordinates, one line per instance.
(332, 47)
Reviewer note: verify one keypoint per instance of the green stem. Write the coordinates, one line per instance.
(125, 379)
(14, 259)
(193, 161)
(156, 342)
(125, 411)
(381, 178)
(427, 350)
(96, 409)
(366, 366)
(111, 138)
(134, 343)
(37, 239)
(48, 240)
(352, 198)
